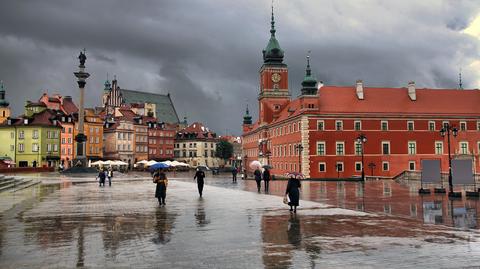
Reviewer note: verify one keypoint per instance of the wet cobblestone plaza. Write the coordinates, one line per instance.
(68, 224)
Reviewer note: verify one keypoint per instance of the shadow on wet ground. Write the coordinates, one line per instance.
(232, 226)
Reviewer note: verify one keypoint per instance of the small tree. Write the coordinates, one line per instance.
(224, 150)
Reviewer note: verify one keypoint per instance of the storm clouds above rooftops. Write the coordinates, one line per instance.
(207, 54)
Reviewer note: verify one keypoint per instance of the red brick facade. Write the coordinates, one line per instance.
(402, 127)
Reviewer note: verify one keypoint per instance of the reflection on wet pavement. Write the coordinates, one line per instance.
(234, 227)
(381, 197)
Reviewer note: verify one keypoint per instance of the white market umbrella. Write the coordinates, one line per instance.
(150, 163)
(142, 162)
(120, 163)
(97, 163)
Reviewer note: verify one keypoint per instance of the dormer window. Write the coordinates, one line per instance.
(25, 121)
(69, 119)
(63, 119)
(9, 122)
(276, 107)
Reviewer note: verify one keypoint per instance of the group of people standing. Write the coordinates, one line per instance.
(103, 175)
(160, 178)
(292, 193)
(265, 176)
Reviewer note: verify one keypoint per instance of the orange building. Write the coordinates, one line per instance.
(94, 131)
(65, 105)
(317, 132)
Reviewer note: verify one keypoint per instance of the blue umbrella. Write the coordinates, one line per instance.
(159, 166)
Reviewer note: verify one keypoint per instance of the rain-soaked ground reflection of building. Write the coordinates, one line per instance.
(388, 197)
(117, 231)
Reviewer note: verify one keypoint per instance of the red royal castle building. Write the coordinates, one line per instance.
(317, 132)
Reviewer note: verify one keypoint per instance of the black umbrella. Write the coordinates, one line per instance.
(267, 166)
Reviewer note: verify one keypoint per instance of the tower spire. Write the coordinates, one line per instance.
(308, 70)
(460, 85)
(247, 119)
(272, 29)
(309, 83)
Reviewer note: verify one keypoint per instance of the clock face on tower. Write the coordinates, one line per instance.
(276, 77)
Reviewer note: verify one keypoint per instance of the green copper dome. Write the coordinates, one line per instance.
(273, 53)
(247, 119)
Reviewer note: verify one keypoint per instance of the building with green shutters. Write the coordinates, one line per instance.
(32, 140)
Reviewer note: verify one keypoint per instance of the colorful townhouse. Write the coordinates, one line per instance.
(33, 140)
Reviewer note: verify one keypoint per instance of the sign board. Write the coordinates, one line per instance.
(431, 171)
(462, 172)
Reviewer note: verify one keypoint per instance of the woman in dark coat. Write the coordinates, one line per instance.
(258, 178)
(293, 192)
(161, 191)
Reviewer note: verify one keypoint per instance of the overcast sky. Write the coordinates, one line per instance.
(207, 54)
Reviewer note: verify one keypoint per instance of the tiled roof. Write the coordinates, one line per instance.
(334, 99)
(387, 102)
(69, 106)
(164, 106)
(199, 130)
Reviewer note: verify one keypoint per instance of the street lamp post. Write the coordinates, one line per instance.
(446, 130)
(362, 139)
(299, 147)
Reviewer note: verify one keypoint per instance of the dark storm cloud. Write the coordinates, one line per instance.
(207, 53)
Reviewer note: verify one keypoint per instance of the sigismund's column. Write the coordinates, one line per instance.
(80, 137)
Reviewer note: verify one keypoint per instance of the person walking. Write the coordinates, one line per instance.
(266, 179)
(161, 189)
(258, 178)
(293, 192)
(110, 175)
(234, 174)
(101, 178)
(199, 176)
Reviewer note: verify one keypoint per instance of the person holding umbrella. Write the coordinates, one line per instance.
(199, 176)
(293, 192)
(161, 180)
(258, 178)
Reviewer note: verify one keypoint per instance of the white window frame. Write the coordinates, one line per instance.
(381, 125)
(389, 147)
(358, 163)
(323, 125)
(336, 148)
(408, 147)
(463, 123)
(461, 149)
(434, 125)
(341, 125)
(410, 164)
(445, 121)
(413, 125)
(436, 143)
(355, 144)
(336, 167)
(324, 166)
(324, 148)
(35, 147)
(478, 125)
(355, 124)
(383, 166)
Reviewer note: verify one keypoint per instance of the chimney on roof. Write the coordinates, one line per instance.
(360, 89)
(411, 91)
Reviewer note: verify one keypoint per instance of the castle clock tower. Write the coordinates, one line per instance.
(274, 95)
